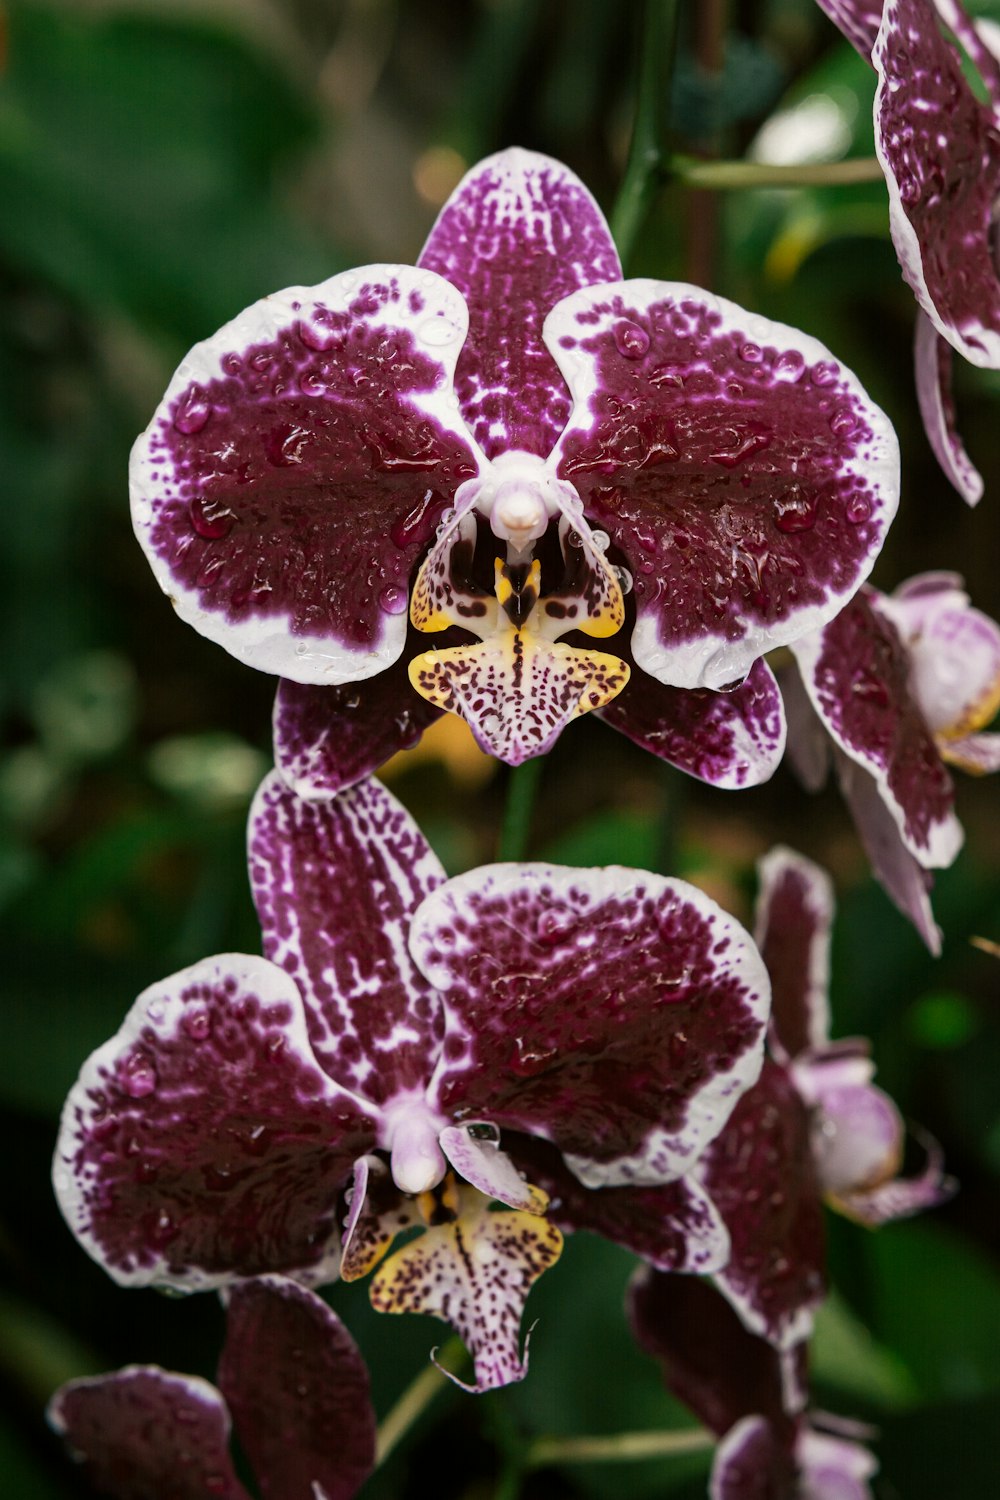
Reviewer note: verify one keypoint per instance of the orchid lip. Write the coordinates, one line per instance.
(415, 1158)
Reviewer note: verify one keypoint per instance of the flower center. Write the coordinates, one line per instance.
(415, 1158)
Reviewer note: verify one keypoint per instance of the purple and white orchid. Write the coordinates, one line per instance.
(503, 443)
(397, 1023)
(290, 1380)
(939, 147)
(752, 1396)
(896, 688)
(812, 1129)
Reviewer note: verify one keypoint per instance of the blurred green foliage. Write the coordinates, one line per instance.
(163, 165)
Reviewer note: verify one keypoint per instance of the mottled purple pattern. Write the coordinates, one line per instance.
(860, 687)
(792, 931)
(941, 152)
(146, 1434)
(328, 738)
(747, 483)
(752, 1463)
(932, 360)
(302, 481)
(519, 233)
(613, 1012)
(203, 1141)
(760, 1174)
(674, 1228)
(298, 1391)
(858, 20)
(336, 884)
(710, 1361)
(727, 739)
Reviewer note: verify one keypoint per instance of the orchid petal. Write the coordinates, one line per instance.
(519, 232)
(298, 464)
(328, 738)
(857, 19)
(378, 1212)
(746, 477)
(942, 181)
(517, 691)
(857, 1135)
(203, 1142)
(144, 1431)
(792, 930)
(476, 1157)
(833, 1468)
(901, 876)
(932, 359)
(774, 1277)
(614, 1012)
(856, 672)
(751, 1463)
(981, 40)
(977, 754)
(298, 1391)
(809, 748)
(731, 740)
(901, 1197)
(475, 1274)
(675, 1227)
(335, 884)
(954, 657)
(710, 1360)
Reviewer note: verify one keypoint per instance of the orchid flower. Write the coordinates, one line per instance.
(397, 1024)
(896, 688)
(501, 444)
(292, 1382)
(812, 1129)
(939, 147)
(752, 1396)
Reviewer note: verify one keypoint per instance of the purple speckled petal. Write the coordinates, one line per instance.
(519, 233)
(710, 1361)
(473, 1150)
(299, 463)
(144, 1432)
(675, 1228)
(203, 1142)
(932, 359)
(857, 19)
(943, 180)
(744, 474)
(752, 1463)
(978, 754)
(981, 40)
(475, 1274)
(615, 1013)
(954, 655)
(856, 672)
(901, 876)
(328, 738)
(335, 884)
(832, 1468)
(378, 1211)
(298, 1391)
(761, 1177)
(727, 739)
(792, 930)
(808, 744)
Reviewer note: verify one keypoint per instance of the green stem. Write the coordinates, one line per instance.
(752, 174)
(522, 787)
(647, 157)
(620, 1446)
(415, 1400)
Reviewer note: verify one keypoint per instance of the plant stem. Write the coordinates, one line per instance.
(619, 1446)
(516, 826)
(415, 1399)
(712, 175)
(647, 157)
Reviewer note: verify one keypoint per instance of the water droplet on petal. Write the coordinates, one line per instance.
(752, 353)
(630, 340)
(554, 925)
(197, 1024)
(843, 422)
(393, 600)
(795, 511)
(624, 580)
(138, 1076)
(193, 411)
(437, 332)
(789, 365)
(858, 510)
(824, 372)
(210, 519)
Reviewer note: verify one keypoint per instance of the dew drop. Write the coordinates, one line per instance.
(197, 1024)
(824, 372)
(631, 341)
(393, 600)
(625, 580)
(314, 338)
(155, 1010)
(554, 925)
(192, 412)
(210, 519)
(752, 353)
(139, 1076)
(789, 365)
(843, 422)
(858, 510)
(483, 1130)
(795, 511)
(437, 332)
(415, 526)
(601, 540)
